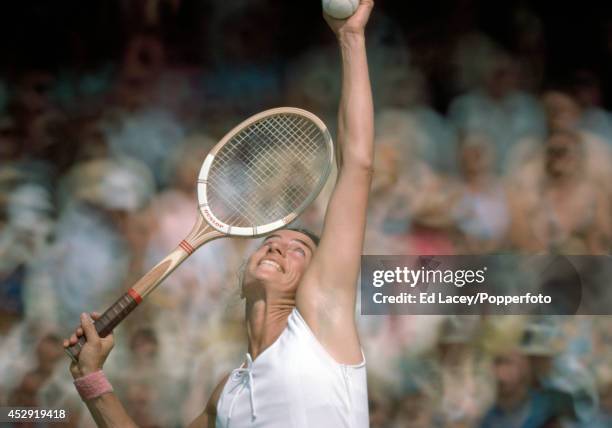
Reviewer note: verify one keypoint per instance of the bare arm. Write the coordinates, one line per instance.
(209, 415)
(326, 297)
(106, 409)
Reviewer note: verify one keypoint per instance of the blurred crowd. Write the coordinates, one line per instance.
(98, 167)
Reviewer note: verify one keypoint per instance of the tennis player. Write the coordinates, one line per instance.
(304, 366)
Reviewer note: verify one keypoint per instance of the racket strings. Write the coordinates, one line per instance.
(262, 172)
(267, 170)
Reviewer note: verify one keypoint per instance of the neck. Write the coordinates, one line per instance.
(477, 180)
(266, 319)
(562, 183)
(510, 401)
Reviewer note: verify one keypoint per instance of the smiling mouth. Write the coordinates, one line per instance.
(271, 263)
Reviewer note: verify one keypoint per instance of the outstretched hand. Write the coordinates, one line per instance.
(94, 352)
(355, 24)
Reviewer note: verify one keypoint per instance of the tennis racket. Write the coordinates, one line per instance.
(257, 179)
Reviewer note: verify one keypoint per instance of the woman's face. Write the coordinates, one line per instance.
(512, 372)
(563, 155)
(279, 263)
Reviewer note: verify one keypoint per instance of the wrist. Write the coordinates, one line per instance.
(348, 38)
(92, 385)
(78, 372)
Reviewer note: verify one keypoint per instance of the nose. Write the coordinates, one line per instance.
(275, 247)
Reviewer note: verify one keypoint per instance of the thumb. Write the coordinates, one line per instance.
(89, 329)
(108, 342)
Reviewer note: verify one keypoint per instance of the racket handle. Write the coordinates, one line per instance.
(108, 321)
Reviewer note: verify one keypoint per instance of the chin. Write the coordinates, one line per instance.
(265, 276)
(261, 275)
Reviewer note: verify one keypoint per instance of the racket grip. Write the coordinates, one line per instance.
(108, 321)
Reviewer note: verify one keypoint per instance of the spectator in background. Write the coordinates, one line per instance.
(536, 386)
(389, 205)
(562, 209)
(419, 399)
(23, 239)
(150, 135)
(403, 96)
(558, 371)
(498, 107)
(481, 212)
(26, 223)
(465, 374)
(35, 379)
(586, 88)
(415, 200)
(396, 343)
(148, 382)
(99, 197)
(563, 113)
(518, 404)
(142, 396)
(48, 353)
(137, 127)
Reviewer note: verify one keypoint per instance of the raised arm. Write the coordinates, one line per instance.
(326, 297)
(106, 409)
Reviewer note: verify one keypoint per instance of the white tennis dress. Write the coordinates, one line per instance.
(295, 383)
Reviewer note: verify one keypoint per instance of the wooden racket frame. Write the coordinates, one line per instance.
(207, 228)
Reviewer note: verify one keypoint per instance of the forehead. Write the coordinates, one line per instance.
(562, 140)
(557, 99)
(511, 357)
(289, 235)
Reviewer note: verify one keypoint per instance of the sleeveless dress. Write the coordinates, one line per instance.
(295, 383)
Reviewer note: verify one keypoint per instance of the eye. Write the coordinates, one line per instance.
(300, 251)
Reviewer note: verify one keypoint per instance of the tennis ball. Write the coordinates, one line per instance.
(340, 9)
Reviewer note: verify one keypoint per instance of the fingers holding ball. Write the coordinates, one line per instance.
(340, 9)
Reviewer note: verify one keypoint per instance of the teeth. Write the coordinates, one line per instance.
(271, 263)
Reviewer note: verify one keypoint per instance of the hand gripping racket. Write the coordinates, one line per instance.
(257, 179)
